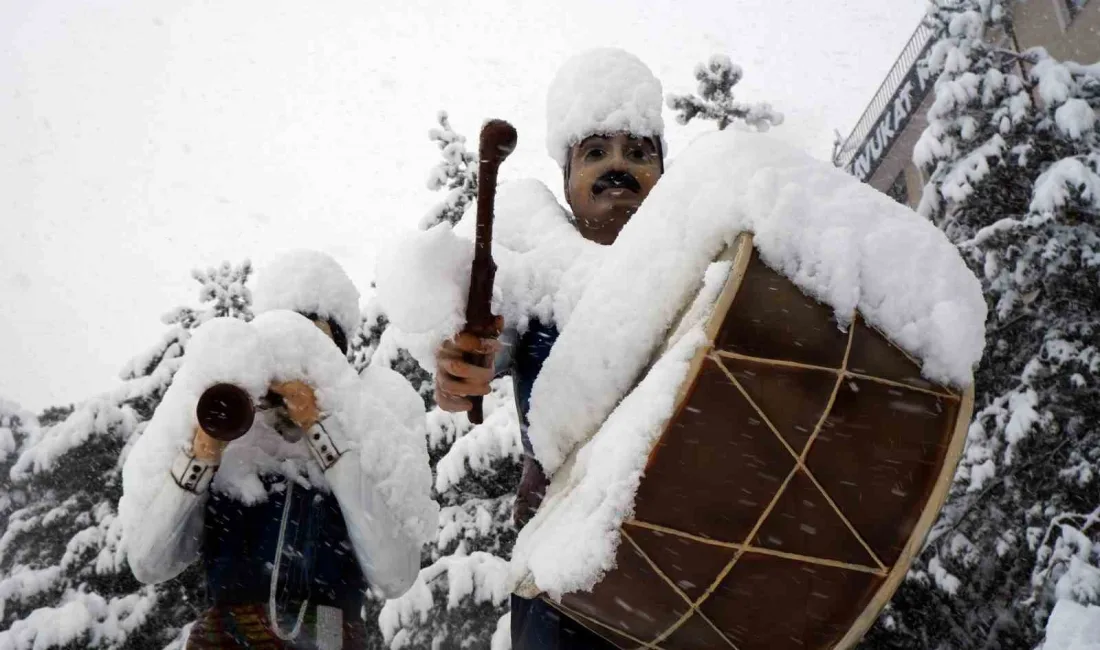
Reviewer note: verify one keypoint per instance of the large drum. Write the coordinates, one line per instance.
(788, 495)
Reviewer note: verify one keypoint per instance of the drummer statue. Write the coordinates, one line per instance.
(605, 132)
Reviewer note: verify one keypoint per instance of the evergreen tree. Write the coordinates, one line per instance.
(460, 598)
(1013, 155)
(16, 425)
(715, 99)
(64, 582)
(372, 341)
(457, 172)
(461, 594)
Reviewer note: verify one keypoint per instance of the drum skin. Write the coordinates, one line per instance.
(790, 491)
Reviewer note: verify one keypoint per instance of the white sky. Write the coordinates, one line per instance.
(142, 138)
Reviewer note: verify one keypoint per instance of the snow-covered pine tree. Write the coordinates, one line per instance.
(16, 425)
(715, 99)
(457, 172)
(369, 341)
(460, 599)
(63, 580)
(1013, 154)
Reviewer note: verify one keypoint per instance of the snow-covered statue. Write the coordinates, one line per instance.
(747, 378)
(327, 492)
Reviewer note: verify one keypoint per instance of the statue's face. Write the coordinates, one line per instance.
(324, 327)
(608, 178)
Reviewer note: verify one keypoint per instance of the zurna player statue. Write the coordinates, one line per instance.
(604, 129)
(325, 495)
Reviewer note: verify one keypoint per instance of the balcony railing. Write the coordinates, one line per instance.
(874, 121)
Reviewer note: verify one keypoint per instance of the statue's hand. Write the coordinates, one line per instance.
(301, 402)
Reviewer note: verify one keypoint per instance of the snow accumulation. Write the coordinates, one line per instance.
(379, 414)
(1052, 188)
(601, 91)
(98, 416)
(79, 614)
(307, 282)
(496, 437)
(478, 576)
(838, 240)
(1073, 626)
(13, 416)
(543, 265)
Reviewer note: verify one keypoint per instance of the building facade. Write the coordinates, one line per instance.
(879, 151)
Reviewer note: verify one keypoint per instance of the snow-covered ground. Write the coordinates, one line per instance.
(143, 138)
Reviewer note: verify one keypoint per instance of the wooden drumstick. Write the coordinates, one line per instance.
(498, 139)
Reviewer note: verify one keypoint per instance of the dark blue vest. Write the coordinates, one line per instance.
(531, 352)
(318, 561)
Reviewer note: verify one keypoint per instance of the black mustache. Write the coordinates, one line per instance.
(614, 179)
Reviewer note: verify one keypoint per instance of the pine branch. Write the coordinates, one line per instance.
(715, 99)
(457, 172)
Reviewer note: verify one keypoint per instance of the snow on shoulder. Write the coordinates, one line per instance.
(838, 240)
(543, 266)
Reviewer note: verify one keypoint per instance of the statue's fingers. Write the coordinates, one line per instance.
(463, 369)
(462, 387)
(470, 343)
(451, 403)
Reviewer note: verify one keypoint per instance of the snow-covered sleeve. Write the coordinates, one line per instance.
(371, 442)
(163, 487)
(168, 543)
(387, 553)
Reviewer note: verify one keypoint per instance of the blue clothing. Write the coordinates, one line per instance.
(537, 625)
(318, 562)
(526, 362)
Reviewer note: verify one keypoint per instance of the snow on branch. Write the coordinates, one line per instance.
(497, 437)
(223, 291)
(715, 99)
(84, 619)
(98, 416)
(457, 172)
(477, 577)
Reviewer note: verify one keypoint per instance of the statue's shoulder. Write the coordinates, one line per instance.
(526, 212)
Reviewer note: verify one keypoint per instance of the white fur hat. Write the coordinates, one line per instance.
(602, 91)
(307, 282)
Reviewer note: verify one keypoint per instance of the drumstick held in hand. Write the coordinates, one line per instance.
(498, 139)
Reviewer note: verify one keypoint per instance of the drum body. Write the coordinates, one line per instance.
(799, 475)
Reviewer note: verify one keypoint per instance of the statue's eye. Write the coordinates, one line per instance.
(594, 154)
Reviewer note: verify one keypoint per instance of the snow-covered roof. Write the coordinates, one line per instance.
(308, 281)
(601, 91)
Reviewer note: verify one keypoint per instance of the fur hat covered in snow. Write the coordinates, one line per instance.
(601, 92)
(308, 282)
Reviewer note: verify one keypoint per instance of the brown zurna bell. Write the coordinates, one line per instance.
(787, 496)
